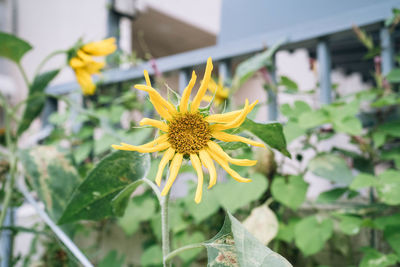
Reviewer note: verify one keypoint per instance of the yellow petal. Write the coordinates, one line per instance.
(183, 106)
(84, 57)
(161, 139)
(85, 81)
(203, 86)
(197, 166)
(235, 138)
(214, 147)
(100, 48)
(157, 98)
(208, 98)
(207, 161)
(227, 117)
(142, 149)
(173, 172)
(94, 67)
(155, 123)
(75, 63)
(236, 122)
(164, 160)
(224, 164)
(147, 78)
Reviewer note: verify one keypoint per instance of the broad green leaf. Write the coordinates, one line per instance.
(289, 84)
(331, 195)
(120, 201)
(293, 130)
(363, 180)
(388, 187)
(286, 231)
(373, 258)
(390, 128)
(152, 256)
(246, 69)
(349, 125)
(270, 133)
(186, 238)
(392, 236)
(12, 47)
(391, 220)
(331, 167)
(92, 199)
(379, 139)
(51, 175)
(112, 259)
(294, 112)
(311, 233)
(290, 191)
(235, 246)
(248, 192)
(139, 209)
(394, 76)
(314, 118)
(82, 151)
(262, 223)
(392, 154)
(36, 99)
(349, 225)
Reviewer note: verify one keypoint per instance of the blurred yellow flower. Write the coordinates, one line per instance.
(187, 133)
(84, 65)
(221, 93)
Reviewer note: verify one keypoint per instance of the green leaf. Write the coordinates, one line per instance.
(291, 86)
(112, 259)
(390, 128)
(235, 246)
(51, 175)
(311, 233)
(299, 107)
(350, 225)
(391, 220)
(36, 99)
(186, 238)
(120, 201)
(394, 76)
(246, 69)
(82, 151)
(291, 192)
(248, 192)
(373, 258)
(331, 195)
(92, 199)
(314, 118)
(363, 180)
(293, 130)
(349, 125)
(270, 133)
(392, 236)
(139, 209)
(331, 167)
(12, 47)
(388, 187)
(379, 139)
(286, 231)
(152, 256)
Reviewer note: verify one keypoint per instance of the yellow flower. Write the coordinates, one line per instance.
(221, 93)
(187, 133)
(84, 65)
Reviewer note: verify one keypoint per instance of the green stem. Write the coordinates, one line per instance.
(182, 249)
(47, 58)
(21, 69)
(165, 228)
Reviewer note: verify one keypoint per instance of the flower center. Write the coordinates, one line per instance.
(188, 133)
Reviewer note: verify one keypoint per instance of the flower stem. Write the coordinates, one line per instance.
(165, 229)
(47, 58)
(182, 249)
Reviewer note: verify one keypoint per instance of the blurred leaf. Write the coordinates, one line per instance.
(299, 107)
(311, 233)
(391, 128)
(286, 231)
(289, 84)
(184, 239)
(120, 201)
(388, 187)
(270, 133)
(378, 138)
(12, 47)
(36, 99)
(373, 258)
(246, 69)
(391, 220)
(314, 118)
(51, 175)
(331, 167)
(349, 125)
(208, 206)
(392, 154)
(350, 225)
(152, 256)
(331, 195)
(235, 246)
(248, 192)
(92, 199)
(392, 236)
(363, 180)
(292, 131)
(139, 209)
(291, 191)
(394, 76)
(112, 259)
(262, 223)
(82, 151)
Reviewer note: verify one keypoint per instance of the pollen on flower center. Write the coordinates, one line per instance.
(188, 133)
